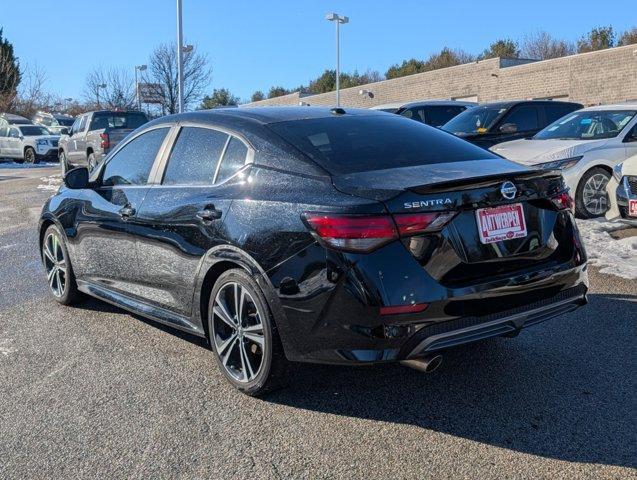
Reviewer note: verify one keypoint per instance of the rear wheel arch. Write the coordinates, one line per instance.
(226, 257)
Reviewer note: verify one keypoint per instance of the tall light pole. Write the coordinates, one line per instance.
(181, 49)
(335, 17)
(100, 85)
(141, 68)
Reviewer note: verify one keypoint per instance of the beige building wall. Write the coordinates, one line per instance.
(605, 76)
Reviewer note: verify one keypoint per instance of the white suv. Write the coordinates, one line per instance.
(29, 143)
(586, 145)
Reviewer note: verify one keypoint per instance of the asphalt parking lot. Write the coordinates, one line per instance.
(96, 392)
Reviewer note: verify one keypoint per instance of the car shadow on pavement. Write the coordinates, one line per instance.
(564, 389)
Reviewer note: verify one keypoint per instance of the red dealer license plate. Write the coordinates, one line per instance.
(632, 208)
(501, 223)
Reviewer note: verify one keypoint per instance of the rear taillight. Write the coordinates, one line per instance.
(563, 201)
(359, 233)
(414, 223)
(364, 233)
(106, 143)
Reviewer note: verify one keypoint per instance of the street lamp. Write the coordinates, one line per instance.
(335, 17)
(141, 68)
(181, 49)
(100, 85)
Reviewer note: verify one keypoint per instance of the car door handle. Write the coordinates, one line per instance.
(209, 213)
(126, 211)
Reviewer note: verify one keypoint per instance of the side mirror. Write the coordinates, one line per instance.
(509, 128)
(77, 178)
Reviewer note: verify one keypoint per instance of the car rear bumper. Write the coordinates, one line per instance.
(508, 323)
(452, 321)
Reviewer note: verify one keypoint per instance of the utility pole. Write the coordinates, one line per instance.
(338, 19)
(180, 59)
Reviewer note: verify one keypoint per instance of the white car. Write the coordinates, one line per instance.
(622, 190)
(30, 143)
(586, 145)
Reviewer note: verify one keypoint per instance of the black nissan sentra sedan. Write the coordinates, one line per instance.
(315, 235)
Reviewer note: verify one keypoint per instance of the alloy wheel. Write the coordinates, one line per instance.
(55, 264)
(238, 332)
(29, 155)
(594, 194)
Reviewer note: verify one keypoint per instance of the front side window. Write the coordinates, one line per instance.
(13, 133)
(131, 164)
(194, 157)
(587, 125)
(233, 159)
(524, 118)
(82, 123)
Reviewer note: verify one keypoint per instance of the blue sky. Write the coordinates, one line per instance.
(256, 44)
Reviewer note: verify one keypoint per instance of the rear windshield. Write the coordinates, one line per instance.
(130, 120)
(351, 144)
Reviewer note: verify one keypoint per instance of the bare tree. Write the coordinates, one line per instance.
(162, 70)
(31, 95)
(119, 91)
(542, 46)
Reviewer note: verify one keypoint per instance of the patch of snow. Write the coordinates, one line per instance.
(5, 349)
(27, 165)
(611, 256)
(51, 183)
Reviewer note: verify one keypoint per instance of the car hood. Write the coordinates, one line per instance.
(43, 137)
(530, 152)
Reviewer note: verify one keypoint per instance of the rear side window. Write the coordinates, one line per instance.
(82, 123)
(194, 157)
(233, 159)
(437, 116)
(129, 120)
(131, 164)
(524, 117)
(349, 144)
(558, 110)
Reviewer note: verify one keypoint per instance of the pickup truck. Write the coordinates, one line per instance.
(94, 134)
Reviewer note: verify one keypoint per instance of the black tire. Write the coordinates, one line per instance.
(30, 156)
(581, 208)
(69, 295)
(273, 371)
(91, 162)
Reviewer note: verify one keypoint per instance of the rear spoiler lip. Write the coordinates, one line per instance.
(483, 181)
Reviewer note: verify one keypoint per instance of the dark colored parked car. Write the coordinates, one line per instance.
(94, 134)
(498, 122)
(434, 112)
(315, 235)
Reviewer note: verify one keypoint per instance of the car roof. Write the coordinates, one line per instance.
(10, 117)
(424, 103)
(511, 103)
(387, 106)
(613, 106)
(263, 115)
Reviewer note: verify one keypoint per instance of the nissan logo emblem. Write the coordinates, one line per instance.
(508, 190)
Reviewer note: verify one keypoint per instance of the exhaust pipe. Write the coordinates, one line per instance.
(425, 364)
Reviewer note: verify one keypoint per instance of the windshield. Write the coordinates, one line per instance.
(591, 125)
(63, 122)
(33, 130)
(351, 144)
(474, 120)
